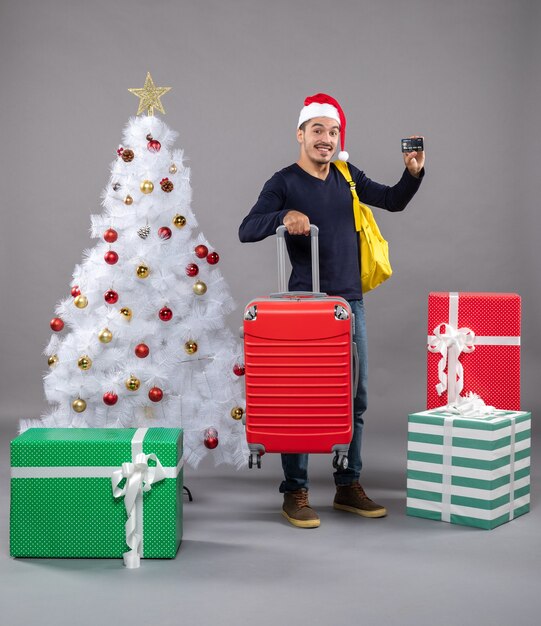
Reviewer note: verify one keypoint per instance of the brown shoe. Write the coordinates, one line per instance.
(297, 510)
(352, 498)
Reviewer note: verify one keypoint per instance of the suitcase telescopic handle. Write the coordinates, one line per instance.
(314, 243)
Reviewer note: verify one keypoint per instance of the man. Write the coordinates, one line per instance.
(313, 191)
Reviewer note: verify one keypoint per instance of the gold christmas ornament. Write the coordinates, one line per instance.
(84, 363)
(179, 221)
(126, 313)
(105, 335)
(52, 360)
(133, 383)
(142, 271)
(190, 347)
(81, 301)
(128, 200)
(173, 169)
(237, 413)
(149, 96)
(199, 288)
(78, 405)
(147, 186)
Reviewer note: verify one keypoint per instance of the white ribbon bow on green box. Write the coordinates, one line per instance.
(140, 477)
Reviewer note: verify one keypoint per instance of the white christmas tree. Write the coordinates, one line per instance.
(143, 341)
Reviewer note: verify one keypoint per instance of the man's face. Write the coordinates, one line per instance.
(319, 139)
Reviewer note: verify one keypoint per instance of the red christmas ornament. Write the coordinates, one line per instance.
(201, 251)
(57, 324)
(75, 291)
(213, 258)
(165, 314)
(211, 442)
(192, 269)
(211, 438)
(110, 296)
(239, 369)
(142, 350)
(110, 235)
(155, 394)
(111, 257)
(110, 398)
(164, 232)
(154, 145)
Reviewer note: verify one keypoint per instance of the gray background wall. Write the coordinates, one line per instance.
(466, 74)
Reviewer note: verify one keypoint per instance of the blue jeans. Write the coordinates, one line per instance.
(295, 466)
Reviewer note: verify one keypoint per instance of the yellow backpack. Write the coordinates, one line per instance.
(375, 264)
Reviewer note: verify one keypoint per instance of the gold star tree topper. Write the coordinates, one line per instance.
(150, 96)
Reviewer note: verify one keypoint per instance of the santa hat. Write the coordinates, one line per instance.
(322, 105)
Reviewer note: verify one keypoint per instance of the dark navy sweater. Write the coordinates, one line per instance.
(329, 205)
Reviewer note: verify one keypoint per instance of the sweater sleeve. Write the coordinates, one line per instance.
(393, 198)
(267, 213)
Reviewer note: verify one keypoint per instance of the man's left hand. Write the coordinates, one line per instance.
(414, 161)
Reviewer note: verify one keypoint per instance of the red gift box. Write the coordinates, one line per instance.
(474, 346)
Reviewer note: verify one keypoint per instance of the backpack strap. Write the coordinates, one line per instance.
(343, 168)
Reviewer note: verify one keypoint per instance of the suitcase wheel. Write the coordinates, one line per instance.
(257, 461)
(340, 461)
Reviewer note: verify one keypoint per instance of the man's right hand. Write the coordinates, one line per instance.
(297, 223)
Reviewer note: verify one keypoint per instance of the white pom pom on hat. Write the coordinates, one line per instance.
(323, 105)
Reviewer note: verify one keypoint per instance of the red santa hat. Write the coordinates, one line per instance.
(322, 105)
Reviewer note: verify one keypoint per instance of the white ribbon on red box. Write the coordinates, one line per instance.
(450, 341)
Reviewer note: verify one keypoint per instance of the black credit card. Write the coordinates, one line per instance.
(413, 145)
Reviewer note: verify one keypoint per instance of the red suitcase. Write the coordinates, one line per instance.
(300, 380)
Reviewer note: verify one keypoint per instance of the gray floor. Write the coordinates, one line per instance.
(240, 562)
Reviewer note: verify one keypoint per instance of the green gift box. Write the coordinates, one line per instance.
(93, 492)
(469, 470)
